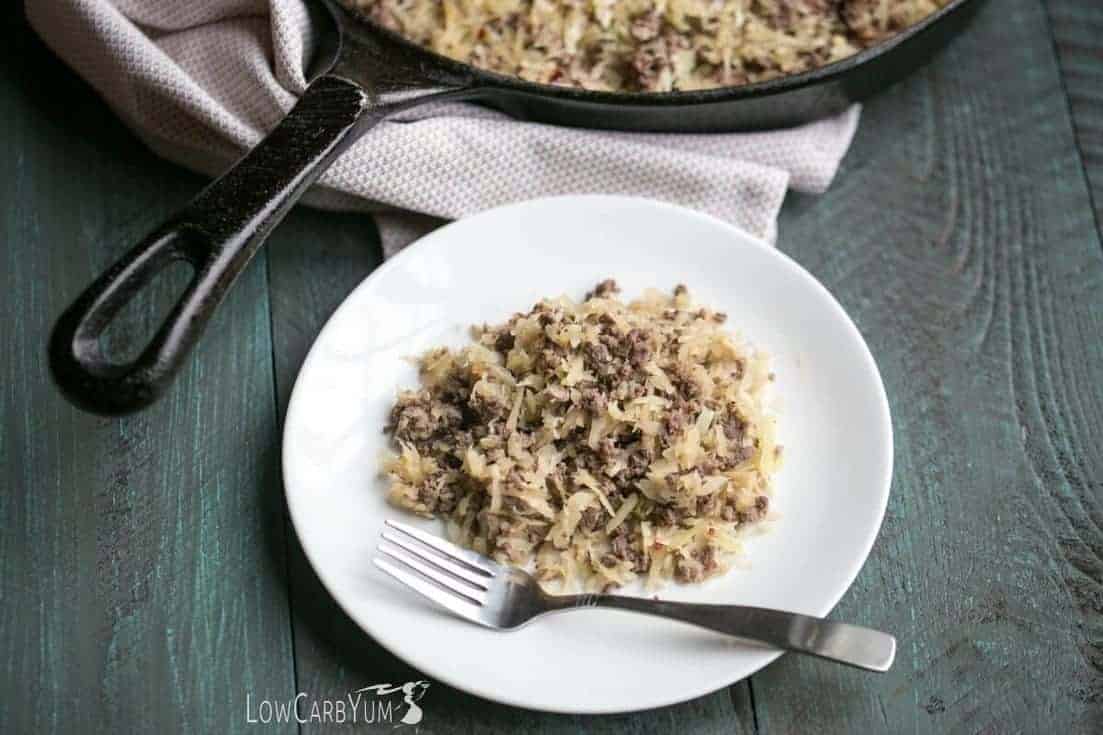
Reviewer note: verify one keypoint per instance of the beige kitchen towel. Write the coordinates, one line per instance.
(202, 82)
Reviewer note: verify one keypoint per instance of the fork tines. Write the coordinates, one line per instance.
(453, 577)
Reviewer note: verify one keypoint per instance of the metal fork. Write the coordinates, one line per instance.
(483, 591)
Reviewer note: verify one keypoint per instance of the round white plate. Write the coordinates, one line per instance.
(833, 421)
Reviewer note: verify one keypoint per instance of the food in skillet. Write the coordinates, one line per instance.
(647, 45)
(604, 441)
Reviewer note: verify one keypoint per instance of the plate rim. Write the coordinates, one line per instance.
(882, 404)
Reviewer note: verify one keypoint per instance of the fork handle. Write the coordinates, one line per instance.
(854, 645)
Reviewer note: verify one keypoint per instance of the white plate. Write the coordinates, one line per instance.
(833, 421)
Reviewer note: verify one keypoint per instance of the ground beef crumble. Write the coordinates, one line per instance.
(630, 438)
(648, 45)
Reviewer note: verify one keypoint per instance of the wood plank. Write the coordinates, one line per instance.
(960, 237)
(314, 260)
(141, 560)
(1077, 27)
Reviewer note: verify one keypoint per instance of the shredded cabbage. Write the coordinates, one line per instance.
(598, 441)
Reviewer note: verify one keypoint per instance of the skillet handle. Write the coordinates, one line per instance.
(217, 234)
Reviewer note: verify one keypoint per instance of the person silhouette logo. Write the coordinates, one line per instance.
(412, 692)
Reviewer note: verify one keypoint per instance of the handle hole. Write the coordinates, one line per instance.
(133, 327)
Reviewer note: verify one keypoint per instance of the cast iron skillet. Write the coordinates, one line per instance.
(374, 74)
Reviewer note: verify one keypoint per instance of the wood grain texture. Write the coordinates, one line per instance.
(1077, 28)
(145, 564)
(314, 261)
(141, 560)
(960, 238)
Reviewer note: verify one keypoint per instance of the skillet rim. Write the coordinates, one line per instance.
(487, 79)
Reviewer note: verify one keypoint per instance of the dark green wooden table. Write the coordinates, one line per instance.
(148, 574)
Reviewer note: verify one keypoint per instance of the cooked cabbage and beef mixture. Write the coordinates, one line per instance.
(647, 45)
(598, 441)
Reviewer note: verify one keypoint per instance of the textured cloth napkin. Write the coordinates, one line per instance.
(201, 82)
